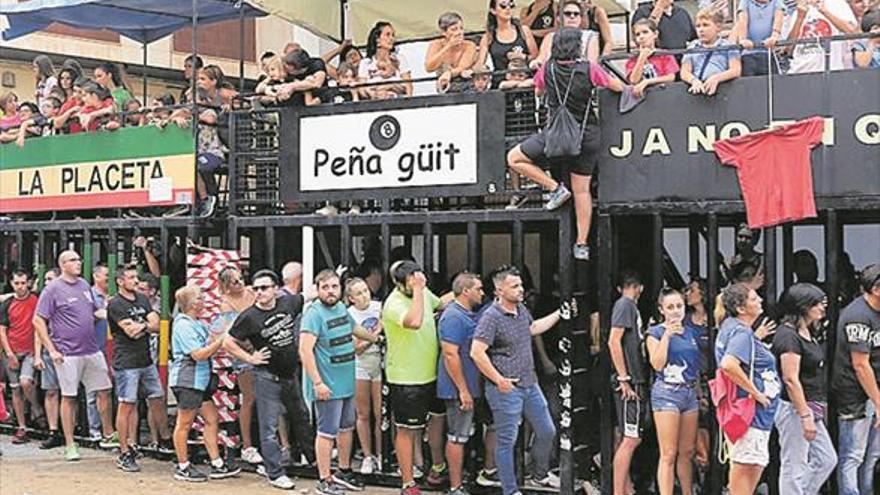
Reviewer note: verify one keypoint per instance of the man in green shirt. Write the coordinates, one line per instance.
(411, 369)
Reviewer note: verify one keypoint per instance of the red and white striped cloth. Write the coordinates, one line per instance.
(203, 265)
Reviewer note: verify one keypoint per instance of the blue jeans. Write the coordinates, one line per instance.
(93, 415)
(508, 411)
(859, 450)
(276, 396)
(804, 466)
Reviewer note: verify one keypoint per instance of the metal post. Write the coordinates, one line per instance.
(308, 253)
(605, 238)
(191, 230)
(385, 234)
(144, 102)
(566, 269)
(473, 247)
(345, 244)
(657, 261)
(712, 278)
(770, 268)
(164, 242)
(428, 246)
(517, 244)
(241, 47)
(694, 248)
(19, 243)
(787, 254)
(270, 252)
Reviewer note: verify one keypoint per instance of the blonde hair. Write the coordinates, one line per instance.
(353, 281)
(711, 14)
(275, 62)
(186, 296)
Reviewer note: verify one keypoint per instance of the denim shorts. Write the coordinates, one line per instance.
(129, 380)
(25, 370)
(459, 423)
(48, 376)
(334, 415)
(368, 367)
(672, 397)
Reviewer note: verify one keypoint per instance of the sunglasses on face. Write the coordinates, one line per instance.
(571, 13)
(261, 288)
(506, 5)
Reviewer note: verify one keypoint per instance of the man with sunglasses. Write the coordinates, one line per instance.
(270, 326)
(67, 306)
(854, 384)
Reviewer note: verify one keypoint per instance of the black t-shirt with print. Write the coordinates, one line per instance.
(626, 315)
(858, 330)
(676, 30)
(275, 329)
(812, 368)
(129, 353)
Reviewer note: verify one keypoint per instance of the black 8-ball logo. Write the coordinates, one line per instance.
(385, 132)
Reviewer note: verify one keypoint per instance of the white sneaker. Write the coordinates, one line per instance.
(368, 465)
(327, 211)
(251, 455)
(282, 482)
(548, 481)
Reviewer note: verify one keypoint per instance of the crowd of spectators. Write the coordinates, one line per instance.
(509, 55)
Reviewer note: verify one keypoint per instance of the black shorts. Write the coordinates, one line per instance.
(632, 415)
(583, 164)
(411, 404)
(190, 398)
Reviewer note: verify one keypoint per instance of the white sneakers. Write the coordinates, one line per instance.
(370, 465)
(250, 455)
(282, 482)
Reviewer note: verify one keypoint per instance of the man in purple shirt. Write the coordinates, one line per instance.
(69, 308)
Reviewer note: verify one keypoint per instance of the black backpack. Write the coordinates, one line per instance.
(563, 134)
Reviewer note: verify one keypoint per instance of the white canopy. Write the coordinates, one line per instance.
(411, 18)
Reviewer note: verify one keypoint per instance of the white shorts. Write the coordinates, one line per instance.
(91, 370)
(368, 367)
(753, 448)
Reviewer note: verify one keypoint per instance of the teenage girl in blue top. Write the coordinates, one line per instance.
(674, 352)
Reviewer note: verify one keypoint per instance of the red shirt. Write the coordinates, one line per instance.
(16, 316)
(774, 171)
(656, 66)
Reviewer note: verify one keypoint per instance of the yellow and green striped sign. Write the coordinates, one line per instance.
(131, 167)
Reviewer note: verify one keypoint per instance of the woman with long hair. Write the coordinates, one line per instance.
(235, 298)
(675, 355)
(110, 76)
(697, 316)
(451, 56)
(566, 69)
(807, 456)
(383, 62)
(66, 78)
(746, 361)
(220, 91)
(44, 71)
(505, 38)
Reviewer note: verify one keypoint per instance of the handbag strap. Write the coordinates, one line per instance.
(705, 64)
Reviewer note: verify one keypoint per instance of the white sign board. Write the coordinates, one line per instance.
(433, 146)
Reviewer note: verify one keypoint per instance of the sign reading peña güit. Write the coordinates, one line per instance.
(413, 147)
(131, 167)
(390, 149)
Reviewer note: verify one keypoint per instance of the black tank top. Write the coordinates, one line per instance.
(543, 21)
(498, 51)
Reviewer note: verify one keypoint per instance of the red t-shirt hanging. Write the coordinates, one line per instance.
(774, 171)
(16, 315)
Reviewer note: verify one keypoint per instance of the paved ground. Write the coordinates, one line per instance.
(26, 470)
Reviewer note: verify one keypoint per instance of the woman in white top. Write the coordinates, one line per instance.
(381, 56)
(45, 75)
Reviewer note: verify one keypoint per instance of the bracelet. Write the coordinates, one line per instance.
(317, 383)
(624, 378)
(806, 415)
